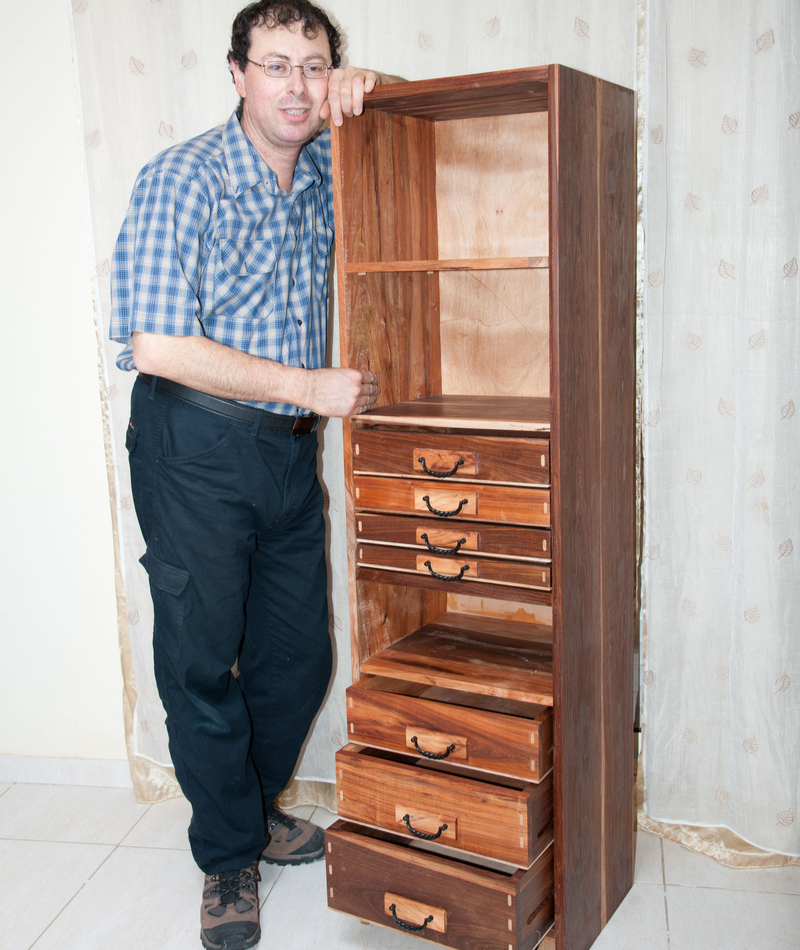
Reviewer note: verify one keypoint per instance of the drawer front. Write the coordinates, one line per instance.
(465, 537)
(456, 570)
(514, 461)
(519, 745)
(465, 502)
(501, 818)
(378, 877)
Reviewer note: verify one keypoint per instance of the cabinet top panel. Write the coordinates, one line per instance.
(459, 97)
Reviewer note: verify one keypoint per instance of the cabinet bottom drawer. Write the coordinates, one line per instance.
(383, 879)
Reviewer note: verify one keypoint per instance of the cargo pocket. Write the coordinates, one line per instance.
(168, 590)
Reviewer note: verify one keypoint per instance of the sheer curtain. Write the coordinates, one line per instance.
(153, 73)
(720, 151)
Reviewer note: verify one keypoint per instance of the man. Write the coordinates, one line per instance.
(219, 288)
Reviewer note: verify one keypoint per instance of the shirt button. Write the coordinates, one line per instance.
(299, 323)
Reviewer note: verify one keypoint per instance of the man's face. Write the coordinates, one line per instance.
(280, 115)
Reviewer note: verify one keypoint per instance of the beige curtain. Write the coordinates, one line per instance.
(720, 152)
(153, 73)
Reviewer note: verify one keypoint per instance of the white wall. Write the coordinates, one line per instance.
(60, 680)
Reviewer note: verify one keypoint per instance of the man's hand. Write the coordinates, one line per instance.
(341, 392)
(346, 88)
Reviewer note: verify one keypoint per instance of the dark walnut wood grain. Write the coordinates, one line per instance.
(506, 658)
(453, 458)
(498, 817)
(481, 907)
(504, 737)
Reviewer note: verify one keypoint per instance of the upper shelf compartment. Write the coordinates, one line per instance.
(446, 175)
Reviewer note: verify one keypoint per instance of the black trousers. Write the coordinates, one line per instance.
(233, 521)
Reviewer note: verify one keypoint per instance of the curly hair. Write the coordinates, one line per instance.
(272, 13)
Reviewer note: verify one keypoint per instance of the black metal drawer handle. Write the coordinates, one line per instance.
(433, 550)
(444, 514)
(421, 834)
(411, 928)
(446, 577)
(433, 474)
(433, 755)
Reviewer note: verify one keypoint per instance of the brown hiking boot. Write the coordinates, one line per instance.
(292, 840)
(229, 915)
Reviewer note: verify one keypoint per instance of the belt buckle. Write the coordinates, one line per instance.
(305, 424)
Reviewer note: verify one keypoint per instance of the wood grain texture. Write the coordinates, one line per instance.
(510, 92)
(512, 461)
(488, 739)
(454, 411)
(464, 570)
(494, 657)
(486, 539)
(463, 502)
(590, 696)
(362, 865)
(494, 333)
(497, 817)
(443, 264)
(483, 165)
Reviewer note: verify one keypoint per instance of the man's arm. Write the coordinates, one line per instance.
(346, 88)
(219, 370)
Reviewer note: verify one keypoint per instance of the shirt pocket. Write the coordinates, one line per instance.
(246, 259)
(244, 273)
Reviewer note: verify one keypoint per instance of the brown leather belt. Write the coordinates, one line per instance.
(297, 425)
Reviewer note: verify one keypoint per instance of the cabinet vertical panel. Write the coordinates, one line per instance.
(393, 330)
(618, 463)
(587, 695)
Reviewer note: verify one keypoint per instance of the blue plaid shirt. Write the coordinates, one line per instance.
(211, 246)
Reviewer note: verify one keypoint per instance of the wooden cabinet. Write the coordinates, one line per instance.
(485, 255)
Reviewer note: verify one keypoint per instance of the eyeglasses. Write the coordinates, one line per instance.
(282, 70)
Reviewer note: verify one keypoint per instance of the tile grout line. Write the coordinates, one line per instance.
(114, 849)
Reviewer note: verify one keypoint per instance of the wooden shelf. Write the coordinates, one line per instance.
(515, 414)
(455, 264)
(494, 657)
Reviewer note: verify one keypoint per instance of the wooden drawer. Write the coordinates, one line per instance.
(465, 537)
(466, 501)
(456, 572)
(482, 732)
(513, 461)
(503, 818)
(384, 879)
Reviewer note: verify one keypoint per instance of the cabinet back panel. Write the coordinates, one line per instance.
(491, 186)
(494, 332)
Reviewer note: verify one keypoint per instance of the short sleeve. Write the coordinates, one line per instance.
(158, 258)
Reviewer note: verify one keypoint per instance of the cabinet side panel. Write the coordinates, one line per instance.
(388, 181)
(576, 433)
(617, 170)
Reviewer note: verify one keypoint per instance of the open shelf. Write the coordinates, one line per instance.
(511, 413)
(494, 657)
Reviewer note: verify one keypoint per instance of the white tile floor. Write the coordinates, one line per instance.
(90, 869)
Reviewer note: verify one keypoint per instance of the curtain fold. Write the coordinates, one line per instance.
(721, 681)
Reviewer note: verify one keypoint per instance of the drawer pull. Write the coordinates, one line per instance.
(411, 928)
(422, 834)
(433, 474)
(444, 514)
(433, 755)
(447, 577)
(434, 550)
